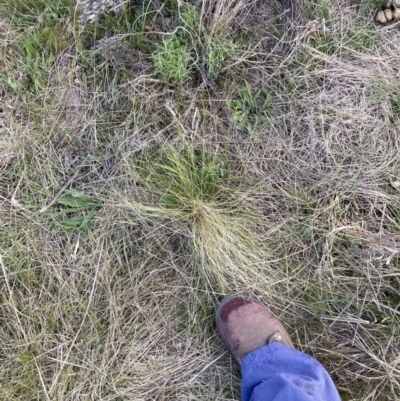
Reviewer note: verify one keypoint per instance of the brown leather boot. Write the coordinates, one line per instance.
(245, 325)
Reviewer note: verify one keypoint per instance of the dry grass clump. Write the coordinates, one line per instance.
(130, 204)
(190, 192)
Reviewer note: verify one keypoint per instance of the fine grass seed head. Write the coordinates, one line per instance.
(192, 190)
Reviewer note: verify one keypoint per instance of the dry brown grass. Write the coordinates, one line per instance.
(123, 308)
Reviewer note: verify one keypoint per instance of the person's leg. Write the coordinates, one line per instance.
(276, 372)
(272, 370)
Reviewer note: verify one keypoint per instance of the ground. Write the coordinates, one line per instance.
(160, 157)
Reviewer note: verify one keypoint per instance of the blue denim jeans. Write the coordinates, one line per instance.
(279, 373)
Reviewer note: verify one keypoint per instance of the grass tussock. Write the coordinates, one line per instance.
(191, 193)
(163, 156)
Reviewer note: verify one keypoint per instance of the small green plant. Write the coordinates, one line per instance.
(323, 43)
(365, 39)
(216, 56)
(48, 35)
(192, 47)
(46, 12)
(248, 113)
(76, 211)
(189, 15)
(173, 59)
(41, 47)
